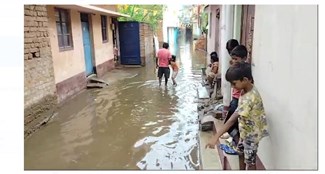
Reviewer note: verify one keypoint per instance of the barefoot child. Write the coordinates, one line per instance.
(174, 68)
(250, 115)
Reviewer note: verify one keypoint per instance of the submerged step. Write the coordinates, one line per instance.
(203, 92)
(96, 85)
(97, 80)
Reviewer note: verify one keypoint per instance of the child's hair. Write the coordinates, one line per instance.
(239, 51)
(213, 53)
(214, 56)
(231, 44)
(165, 45)
(173, 58)
(239, 71)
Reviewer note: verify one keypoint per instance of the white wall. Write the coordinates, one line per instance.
(103, 51)
(196, 30)
(237, 21)
(226, 33)
(285, 72)
(211, 35)
(71, 62)
(170, 18)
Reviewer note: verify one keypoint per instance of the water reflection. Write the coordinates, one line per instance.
(133, 124)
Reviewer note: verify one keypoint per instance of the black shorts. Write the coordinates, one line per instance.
(163, 71)
(233, 130)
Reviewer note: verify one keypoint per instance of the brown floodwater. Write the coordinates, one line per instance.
(132, 124)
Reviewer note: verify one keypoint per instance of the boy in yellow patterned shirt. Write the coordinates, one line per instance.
(250, 115)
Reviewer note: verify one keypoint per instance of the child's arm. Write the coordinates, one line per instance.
(215, 67)
(224, 128)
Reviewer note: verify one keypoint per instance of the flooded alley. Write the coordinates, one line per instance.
(92, 99)
(132, 124)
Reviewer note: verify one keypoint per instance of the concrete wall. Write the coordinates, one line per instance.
(71, 62)
(237, 22)
(39, 85)
(69, 66)
(196, 30)
(103, 52)
(226, 33)
(285, 72)
(211, 35)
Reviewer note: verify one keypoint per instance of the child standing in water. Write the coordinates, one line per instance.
(174, 68)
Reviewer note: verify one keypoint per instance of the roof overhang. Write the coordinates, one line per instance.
(93, 9)
(206, 8)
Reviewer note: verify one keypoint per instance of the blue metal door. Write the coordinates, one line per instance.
(87, 44)
(129, 43)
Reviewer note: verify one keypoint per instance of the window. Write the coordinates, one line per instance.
(104, 28)
(63, 28)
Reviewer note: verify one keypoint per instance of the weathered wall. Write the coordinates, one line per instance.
(39, 87)
(285, 72)
(69, 65)
(146, 44)
(103, 51)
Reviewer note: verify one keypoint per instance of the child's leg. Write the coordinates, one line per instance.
(251, 167)
(174, 77)
(250, 153)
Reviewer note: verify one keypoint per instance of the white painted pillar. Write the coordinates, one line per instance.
(211, 37)
(226, 33)
(237, 22)
(208, 35)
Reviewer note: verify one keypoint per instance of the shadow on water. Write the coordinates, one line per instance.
(133, 124)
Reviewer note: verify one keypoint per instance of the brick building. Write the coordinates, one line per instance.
(63, 45)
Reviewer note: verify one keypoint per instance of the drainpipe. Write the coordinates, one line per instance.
(226, 33)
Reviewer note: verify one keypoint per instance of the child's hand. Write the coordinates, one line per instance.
(211, 144)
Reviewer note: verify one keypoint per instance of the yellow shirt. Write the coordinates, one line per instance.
(252, 120)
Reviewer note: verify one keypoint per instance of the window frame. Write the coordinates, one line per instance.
(64, 32)
(104, 28)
